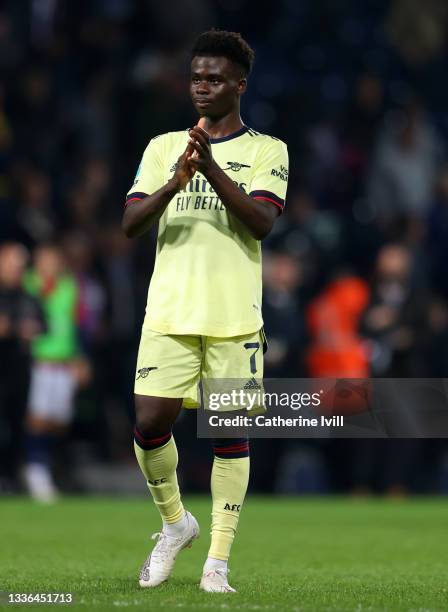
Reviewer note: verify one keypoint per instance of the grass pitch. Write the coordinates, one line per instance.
(291, 554)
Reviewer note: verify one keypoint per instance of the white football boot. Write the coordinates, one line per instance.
(215, 581)
(158, 566)
(39, 483)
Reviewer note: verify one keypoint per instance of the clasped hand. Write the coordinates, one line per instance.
(196, 157)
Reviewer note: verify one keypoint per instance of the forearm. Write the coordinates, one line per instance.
(257, 216)
(140, 215)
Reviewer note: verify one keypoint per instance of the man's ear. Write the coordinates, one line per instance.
(242, 86)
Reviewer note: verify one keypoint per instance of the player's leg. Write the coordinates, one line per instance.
(49, 414)
(238, 359)
(13, 405)
(167, 367)
(229, 480)
(157, 457)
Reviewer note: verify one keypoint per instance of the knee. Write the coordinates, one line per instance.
(149, 433)
(152, 419)
(149, 424)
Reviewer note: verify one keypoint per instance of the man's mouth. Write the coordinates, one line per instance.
(202, 102)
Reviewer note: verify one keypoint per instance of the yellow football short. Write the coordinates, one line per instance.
(172, 365)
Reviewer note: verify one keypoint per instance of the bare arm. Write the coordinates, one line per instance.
(140, 215)
(257, 215)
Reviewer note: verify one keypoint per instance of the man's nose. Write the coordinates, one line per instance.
(202, 88)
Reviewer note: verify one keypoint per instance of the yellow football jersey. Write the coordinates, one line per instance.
(207, 274)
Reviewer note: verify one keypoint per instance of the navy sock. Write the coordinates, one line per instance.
(230, 448)
(39, 448)
(148, 442)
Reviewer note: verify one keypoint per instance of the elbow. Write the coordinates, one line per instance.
(127, 227)
(265, 234)
(262, 224)
(260, 233)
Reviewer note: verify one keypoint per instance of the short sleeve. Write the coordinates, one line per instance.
(270, 178)
(150, 175)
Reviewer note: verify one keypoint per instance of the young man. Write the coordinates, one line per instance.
(21, 320)
(216, 191)
(56, 371)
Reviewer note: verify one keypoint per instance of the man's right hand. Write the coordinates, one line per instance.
(184, 169)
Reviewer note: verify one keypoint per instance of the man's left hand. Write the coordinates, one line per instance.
(202, 160)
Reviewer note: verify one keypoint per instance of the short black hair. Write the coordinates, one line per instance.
(220, 43)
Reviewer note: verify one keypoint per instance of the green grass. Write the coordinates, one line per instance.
(290, 554)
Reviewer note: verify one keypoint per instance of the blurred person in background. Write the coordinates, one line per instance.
(35, 110)
(21, 319)
(436, 243)
(285, 328)
(394, 320)
(282, 277)
(86, 205)
(397, 327)
(359, 129)
(323, 158)
(116, 357)
(35, 219)
(95, 127)
(90, 421)
(91, 301)
(57, 370)
(360, 125)
(336, 349)
(314, 236)
(418, 29)
(404, 168)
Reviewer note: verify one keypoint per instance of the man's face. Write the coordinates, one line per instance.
(13, 260)
(216, 85)
(48, 262)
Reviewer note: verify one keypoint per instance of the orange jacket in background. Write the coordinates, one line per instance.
(332, 318)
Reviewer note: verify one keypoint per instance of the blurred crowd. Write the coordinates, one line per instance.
(354, 270)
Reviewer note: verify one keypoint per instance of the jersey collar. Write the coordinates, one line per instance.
(236, 134)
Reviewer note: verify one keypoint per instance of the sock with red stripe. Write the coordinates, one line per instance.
(157, 458)
(230, 477)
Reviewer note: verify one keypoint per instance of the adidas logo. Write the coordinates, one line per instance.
(252, 384)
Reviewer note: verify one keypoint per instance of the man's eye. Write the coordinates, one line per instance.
(195, 80)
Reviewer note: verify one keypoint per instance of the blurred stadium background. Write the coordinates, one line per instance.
(355, 277)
